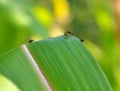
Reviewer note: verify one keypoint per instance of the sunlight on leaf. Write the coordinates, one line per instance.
(7, 85)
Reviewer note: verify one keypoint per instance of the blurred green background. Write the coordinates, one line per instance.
(95, 21)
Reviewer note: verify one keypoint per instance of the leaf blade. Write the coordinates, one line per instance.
(68, 58)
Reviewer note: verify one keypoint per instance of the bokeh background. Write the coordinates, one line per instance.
(95, 21)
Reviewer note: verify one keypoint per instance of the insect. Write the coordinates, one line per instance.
(68, 33)
(30, 40)
(82, 40)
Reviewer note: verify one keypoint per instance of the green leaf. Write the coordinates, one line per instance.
(68, 65)
(64, 62)
(16, 67)
(7, 85)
